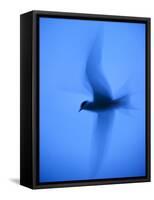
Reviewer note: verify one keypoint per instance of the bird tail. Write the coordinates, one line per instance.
(123, 102)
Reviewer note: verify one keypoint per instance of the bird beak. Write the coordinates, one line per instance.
(80, 109)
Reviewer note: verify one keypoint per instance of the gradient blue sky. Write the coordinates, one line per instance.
(66, 135)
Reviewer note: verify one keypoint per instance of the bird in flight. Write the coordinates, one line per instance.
(103, 103)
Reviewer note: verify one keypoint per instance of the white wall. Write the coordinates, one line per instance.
(9, 98)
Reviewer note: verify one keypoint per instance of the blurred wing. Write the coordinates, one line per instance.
(100, 140)
(98, 83)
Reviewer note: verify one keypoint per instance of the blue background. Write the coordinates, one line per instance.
(66, 135)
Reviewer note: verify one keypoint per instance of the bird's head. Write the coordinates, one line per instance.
(83, 105)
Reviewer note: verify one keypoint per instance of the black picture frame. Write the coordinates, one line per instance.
(29, 98)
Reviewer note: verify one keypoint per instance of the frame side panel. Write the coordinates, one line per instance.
(26, 100)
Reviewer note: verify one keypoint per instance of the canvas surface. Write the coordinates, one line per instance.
(102, 63)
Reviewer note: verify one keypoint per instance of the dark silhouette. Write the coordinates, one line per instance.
(103, 103)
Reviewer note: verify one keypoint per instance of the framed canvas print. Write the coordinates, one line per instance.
(85, 99)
